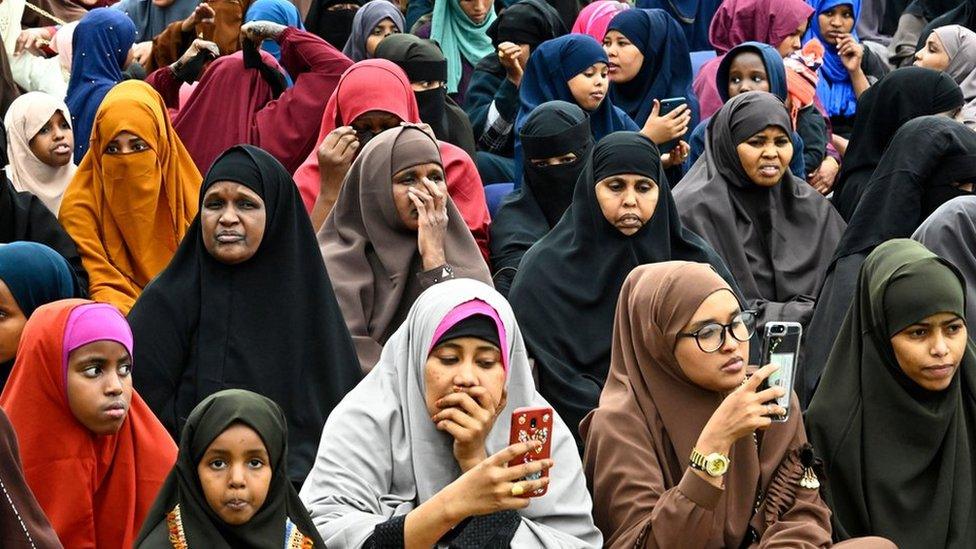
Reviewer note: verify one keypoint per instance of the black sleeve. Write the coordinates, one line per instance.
(494, 531)
(388, 535)
(812, 127)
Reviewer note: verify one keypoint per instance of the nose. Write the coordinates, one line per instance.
(747, 86)
(796, 43)
(465, 374)
(729, 343)
(630, 197)
(236, 479)
(769, 151)
(940, 347)
(229, 216)
(58, 134)
(113, 384)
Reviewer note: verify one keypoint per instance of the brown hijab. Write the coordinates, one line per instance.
(371, 257)
(224, 31)
(650, 405)
(22, 521)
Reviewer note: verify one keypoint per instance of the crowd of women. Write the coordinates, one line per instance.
(283, 273)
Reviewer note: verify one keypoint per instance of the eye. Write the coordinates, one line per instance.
(437, 177)
(248, 205)
(488, 363)
(91, 372)
(214, 204)
(255, 463)
(112, 149)
(708, 332)
(735, 80)
(44, 130)
(65, 126)
(615, 186)
(756, 141)
(140, 146)
(918, 332)
(782, 142)
(955, 328)
(125, 370)
(217, 464)
(645, 187)
(448, 359)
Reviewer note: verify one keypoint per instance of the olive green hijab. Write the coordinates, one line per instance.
(898, 459)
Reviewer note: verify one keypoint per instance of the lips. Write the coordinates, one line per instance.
(229, 237)
(598, 95)
(939, 371)
(733, 366)
(61, 149)
(629, 220)
(236, 504)
(115, 410)
(769, 170)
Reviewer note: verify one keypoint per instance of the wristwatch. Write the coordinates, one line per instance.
(714, 464)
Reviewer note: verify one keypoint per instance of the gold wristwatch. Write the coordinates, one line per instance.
(713, 464)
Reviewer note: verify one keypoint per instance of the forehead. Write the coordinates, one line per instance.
(748, 59)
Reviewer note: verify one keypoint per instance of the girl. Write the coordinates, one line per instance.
(953, 49)
(373, 22)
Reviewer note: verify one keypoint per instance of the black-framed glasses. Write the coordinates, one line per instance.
(711, 337)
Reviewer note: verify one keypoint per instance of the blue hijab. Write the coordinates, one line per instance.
(35, 275)
(666, 71)
(100, 46)
(834, 87)
(150, 19)
(551, 66)
(277, 11)
(694, 17)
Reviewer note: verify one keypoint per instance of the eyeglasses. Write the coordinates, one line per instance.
(711, 337)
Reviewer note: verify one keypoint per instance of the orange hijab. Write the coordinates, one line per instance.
(127, 213)
(95, 490)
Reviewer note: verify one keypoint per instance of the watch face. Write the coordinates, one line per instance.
(716, 464)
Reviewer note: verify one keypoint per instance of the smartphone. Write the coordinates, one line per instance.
(668, 105)
(781, 345)
(532, 423)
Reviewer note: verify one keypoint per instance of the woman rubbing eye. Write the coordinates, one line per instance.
(418, 454)
(898, 387)
(93, 453)
(952, 49)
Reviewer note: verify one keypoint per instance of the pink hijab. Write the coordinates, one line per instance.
(596, 16)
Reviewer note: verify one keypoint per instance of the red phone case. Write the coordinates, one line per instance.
(532, 423)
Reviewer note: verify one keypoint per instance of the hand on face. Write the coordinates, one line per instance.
(468, 414)
(431, 204)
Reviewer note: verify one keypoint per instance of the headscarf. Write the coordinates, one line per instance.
(960, 45)
(100, 46)
(181, 499)
(150, 19)
(459, 38)
(95, 490)
(8, 87)
(366, 19)
(963, 14)
(771, 60)
(332, 26)
(385, 457)
(62, 44)
(885, 107)
(553, 129)
(694, 16)
(594, 18)
(26, 116)
(651, 404)
(128, 213)
(282, 12)
(199, 315)
(868, 411)
(225, 31)
(22, 521)
(834, 89)
(566, 289)
(373, 261)
(551, 66)
(914, 177)
(949, 233)
(738, 21)
(761, 233)
(529, 22)
(666, 69)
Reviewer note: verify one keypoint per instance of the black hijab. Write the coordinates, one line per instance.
(332, 26)
(898, 459)
(900, 96)
(270, 324)
(423, 61)
(914, 177)
(565, 292)
(964, 13)
(280, 522)
(529, 22)
(553, 129)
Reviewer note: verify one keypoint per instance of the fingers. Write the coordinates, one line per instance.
(757, 378)
(526, 469)
(465, 402)
(771, 393)
(452, 416)
(655, 109)
(515, 450)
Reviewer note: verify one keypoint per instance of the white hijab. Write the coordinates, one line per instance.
(31, 73)
(25, 117)
(381, 456)
(960, 45)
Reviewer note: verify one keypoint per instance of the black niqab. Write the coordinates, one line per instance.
(332, 26)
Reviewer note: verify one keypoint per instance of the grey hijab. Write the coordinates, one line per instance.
(950, 233)
(367, 17)
(777, 241)
(960, 44)
(381, 455)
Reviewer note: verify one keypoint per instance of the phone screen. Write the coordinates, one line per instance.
(785, 363)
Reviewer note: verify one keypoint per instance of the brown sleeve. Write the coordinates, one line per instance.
(632, 506)
(168, 46)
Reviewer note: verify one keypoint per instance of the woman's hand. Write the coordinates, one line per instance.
(32, 40)
(661, 129)
(676, 156)
(203, 13)
(851, 53)
(742, 412)
(468, 415)
(141, 51)
(259, 31)
(487, 488)
(508, 56)
(431, 204)
(823, 178)
(335, 155)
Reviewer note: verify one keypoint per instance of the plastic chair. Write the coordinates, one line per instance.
(699, 58)
(495, 193)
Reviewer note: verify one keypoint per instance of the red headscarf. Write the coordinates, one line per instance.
(95, 490)
(380, 85)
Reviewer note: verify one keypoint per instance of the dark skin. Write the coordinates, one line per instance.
(747, 73)
(53, 143)
(232, 222)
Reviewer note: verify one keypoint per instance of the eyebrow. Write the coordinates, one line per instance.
(943, 323)
(701, 323)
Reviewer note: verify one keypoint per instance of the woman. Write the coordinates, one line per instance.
(100, 51)
(426, 68)
(22, 521)
(928, 162)
(903, 95)
(779, 23)
(743, 199)
(40, 143)
(950, 233)
(622, 216)
(331, 20)
(594, 18)
(373, 96)
(373, 22)
(246, 257)
(953, 49)
(94, 454)
(882, 396)
(557, 141)
(282, 12)
(694, 16)
(30, 72)
(132, 198)
(241, 97)
(229, 430)
(31, 275)
(393, 233)
(217, 21)
(678, 387)
(152, 18)
(459, 349)
(848, 67)
(460, 28)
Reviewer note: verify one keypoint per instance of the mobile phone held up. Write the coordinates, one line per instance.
(667, 106)
(781, 346)
(532, 423)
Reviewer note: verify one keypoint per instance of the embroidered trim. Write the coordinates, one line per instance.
(17, 514)
(174, 523)
(294, 539)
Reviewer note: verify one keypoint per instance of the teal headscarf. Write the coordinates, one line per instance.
(459, 37)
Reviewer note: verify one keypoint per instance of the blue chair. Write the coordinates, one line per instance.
(495, 193)
(699, 58)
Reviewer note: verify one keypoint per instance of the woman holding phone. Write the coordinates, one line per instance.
(682, 451)
(418, 453)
